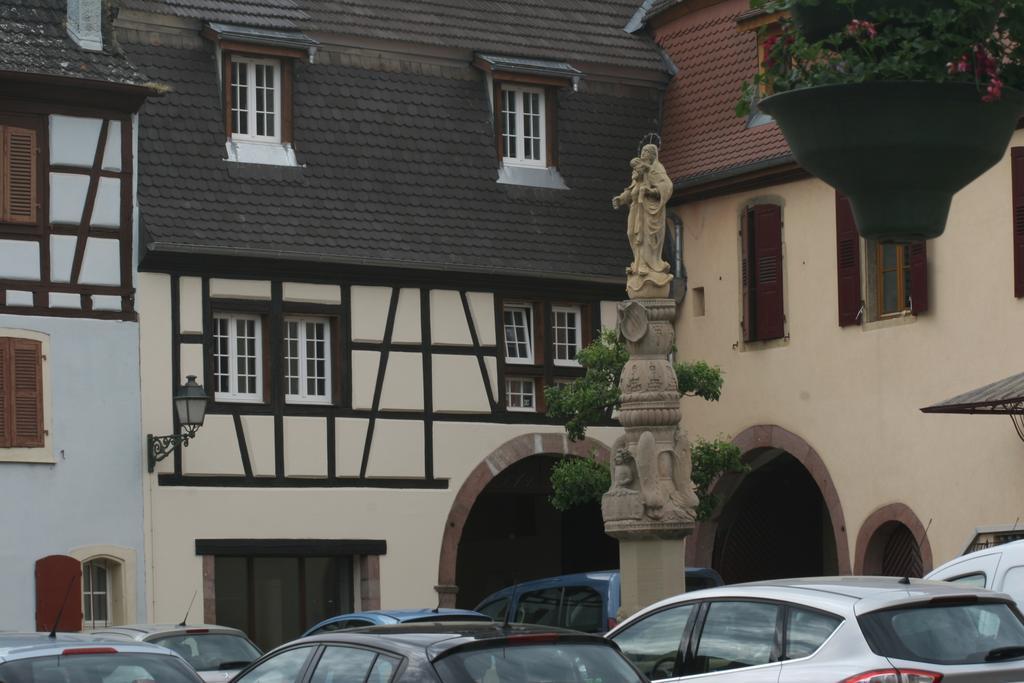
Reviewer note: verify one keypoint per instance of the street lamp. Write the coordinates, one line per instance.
(190, 407)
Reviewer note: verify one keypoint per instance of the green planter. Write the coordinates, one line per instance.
(828, 16)
(898, 150)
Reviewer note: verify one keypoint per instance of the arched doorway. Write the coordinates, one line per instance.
(781, 519)
(502, 529)
(893, 542)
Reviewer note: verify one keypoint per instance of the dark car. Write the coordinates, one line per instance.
(381, 617)
(449, 652)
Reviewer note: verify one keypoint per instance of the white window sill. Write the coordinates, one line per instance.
(228, 398)
(518, 361)
(266, 153)
(567, 363)
(522, 410)
(35, 456)
(891, 320)
(301, 401)
(531, 176)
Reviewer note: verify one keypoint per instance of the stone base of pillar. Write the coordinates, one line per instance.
(650, 570)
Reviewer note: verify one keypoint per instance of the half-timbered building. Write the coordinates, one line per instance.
(70, 467)
(375, 232)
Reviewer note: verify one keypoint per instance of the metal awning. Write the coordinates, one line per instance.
(262, 36)
(1005, 397)
(533, 67)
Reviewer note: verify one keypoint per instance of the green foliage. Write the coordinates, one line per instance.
(699, 379)
(711, 459)
(592, 397)
(967, 43)
(577, 481)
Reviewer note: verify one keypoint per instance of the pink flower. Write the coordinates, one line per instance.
(858, 26)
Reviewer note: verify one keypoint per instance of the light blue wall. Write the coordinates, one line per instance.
(92, 495)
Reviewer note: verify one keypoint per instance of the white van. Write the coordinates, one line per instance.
(1000, 568)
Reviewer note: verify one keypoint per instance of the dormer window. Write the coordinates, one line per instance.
(255, 99)
(523, 118)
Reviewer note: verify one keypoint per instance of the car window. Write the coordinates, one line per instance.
(343, 665)
(99, 668)
(283, 667)
(495, 610)
(539, 607)
(583, 610)
(736, 635)
(652, 643)
(806, 630)
(383, 669)
(968, 633)
(550, 662)
(974, 580)
(212, 651)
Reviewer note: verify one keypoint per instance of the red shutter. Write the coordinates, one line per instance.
(847, 262)
(918, 277)
(5, 393)
(767, 265)
(1017, 166)
(58, 584)
(746, 235)
(27, 381)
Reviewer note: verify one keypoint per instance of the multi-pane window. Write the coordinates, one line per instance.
(518, 334)
(95, 594)
(255, 99)
(567, 334)
(523, 126)
(237, 358)
(893, 264)
(520, 393)
(307, 363)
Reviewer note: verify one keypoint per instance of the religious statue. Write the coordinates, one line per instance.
(648, 276)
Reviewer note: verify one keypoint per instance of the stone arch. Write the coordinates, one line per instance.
(753, 442)
(870, 541)
(506, 455)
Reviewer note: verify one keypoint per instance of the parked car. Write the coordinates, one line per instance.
(833, 629)
(587, 602)
(393, 616)
(451, 652)
(216, 652)
(1000, 568)
(79, 658)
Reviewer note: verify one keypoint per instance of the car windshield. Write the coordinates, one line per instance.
(211, 651)
(553, 662)
(968, 633)
(123, 667)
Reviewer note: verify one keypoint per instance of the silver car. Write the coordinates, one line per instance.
(217, 653)
(829, 630)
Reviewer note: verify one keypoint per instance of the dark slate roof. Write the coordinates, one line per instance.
(582, 31)
(1005, 397)
(33, 40)
(399, 169)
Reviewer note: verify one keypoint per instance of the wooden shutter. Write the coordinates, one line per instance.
(746, 283)
(847, 262)
(1017, 166)
(27, 382)
(5, 394)
(58, 585)
(767, 267)
(19, 175)
(918, 276)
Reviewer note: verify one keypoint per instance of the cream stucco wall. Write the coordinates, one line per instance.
(854, 393)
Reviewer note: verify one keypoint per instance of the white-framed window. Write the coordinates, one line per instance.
(521, 394)
(255, 99)
(96, 611)
(237, 358)
(519, 334)
(523, 126)
(568, 334)
(307, 360)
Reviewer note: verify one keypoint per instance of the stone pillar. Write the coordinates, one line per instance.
(651, 504)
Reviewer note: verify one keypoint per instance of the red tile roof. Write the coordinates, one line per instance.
(702, 136)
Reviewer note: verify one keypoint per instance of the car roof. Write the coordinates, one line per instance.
(1013, 549)
(28, 645)
(583, 578)
(404, 615)
(143, 631)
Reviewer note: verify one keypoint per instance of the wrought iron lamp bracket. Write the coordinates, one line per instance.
(159, 447)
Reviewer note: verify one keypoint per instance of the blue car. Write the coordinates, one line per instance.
(393, 616)
(585, 602)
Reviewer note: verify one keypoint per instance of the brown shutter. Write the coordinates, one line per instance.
(847, 262)
(5, 393)
(1017, 166)
(27, 381)
(918, 277)
(746, 235)
(587, 323)
(226, 72)
(19, 175)
(551, 124)
(499, 124)
(767, 267)
(539, 329)
(58, 585)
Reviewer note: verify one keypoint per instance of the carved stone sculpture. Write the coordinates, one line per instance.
(648, 276)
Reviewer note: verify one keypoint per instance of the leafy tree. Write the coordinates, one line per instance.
(593, 397)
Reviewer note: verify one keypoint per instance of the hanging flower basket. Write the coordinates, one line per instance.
(825, 17)
(898, 150)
